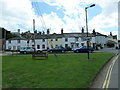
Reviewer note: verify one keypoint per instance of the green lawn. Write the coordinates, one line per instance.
(61, 71)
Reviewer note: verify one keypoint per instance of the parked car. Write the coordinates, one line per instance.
(29, 50)
(39, 50)
(84, 49)
(26, 49)
(73, 49)
(57, 49)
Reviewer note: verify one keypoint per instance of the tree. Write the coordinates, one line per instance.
(110, 44)
(7, 34)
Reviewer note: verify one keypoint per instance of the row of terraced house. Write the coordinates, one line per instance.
(44, 41)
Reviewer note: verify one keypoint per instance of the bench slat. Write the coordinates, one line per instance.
(40, 55)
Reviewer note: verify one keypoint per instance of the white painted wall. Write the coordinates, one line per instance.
(101, 40)
(40, 42)
(14, 43)
(61, 41)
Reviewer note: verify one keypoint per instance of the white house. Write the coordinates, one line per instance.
(15, 43)
(45, 41)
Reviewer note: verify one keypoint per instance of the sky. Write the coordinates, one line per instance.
(57, 14)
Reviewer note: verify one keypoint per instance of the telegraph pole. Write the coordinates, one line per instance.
(34, 32)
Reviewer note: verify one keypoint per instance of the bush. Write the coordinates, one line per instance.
(68, 49)
(110, 44)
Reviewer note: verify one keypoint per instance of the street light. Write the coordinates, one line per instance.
(88, 42)
(86, 16)
(34, 33)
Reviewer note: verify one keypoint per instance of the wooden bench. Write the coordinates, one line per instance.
(41, 54)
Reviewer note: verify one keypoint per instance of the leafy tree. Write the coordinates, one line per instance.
(110, 44)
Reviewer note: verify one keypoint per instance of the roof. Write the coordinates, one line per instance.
(99, 34)
(39, 36)
(112, 41)
(18, 38)
(78, 35)
(54, 35)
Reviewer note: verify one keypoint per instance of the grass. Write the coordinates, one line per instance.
(61, 71)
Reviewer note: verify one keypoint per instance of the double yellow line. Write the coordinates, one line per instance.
(108, 75)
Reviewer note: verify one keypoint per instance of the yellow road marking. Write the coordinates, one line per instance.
(108, 76)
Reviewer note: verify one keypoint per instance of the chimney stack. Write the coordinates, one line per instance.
(110, 33)
(62, 31)
(94, 32)
(82, 30)
(19, 31)
(48, 31)
(40, 33)
(43, 32)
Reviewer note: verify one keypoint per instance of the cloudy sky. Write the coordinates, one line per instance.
(57, 14)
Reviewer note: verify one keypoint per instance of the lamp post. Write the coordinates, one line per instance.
(88, 42)
(34, 33)
(86, 16)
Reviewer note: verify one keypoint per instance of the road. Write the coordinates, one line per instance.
(108, 76)
(111, 50)
(114, 76)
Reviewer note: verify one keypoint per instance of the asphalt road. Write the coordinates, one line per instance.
(111, 50)
(108, 76)
(114, 76)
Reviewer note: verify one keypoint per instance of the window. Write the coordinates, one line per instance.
(9, 47)
(66, 39)
(38, 46)
(82, 44)
(66, 45)
(56, 45)
(9, 41)
(18, 41)
(43, 40)
(18, 47)
(56, 39)
(43, 46)
(72, 45)
(86, 38)
(76, 38)
(77, 45)
(33, 46)
(14, 47)
(27, 41)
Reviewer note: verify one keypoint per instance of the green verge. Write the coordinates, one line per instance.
(61, 71)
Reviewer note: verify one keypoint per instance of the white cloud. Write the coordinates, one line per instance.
(16, 12)
(21, 12)
(108, 18)
(53, 22)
